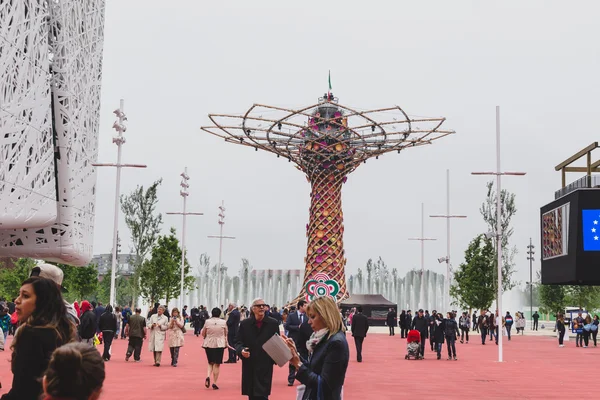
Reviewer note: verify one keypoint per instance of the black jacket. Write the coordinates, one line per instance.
(233, 322)
(408, 321)
(421, 324)
(329, 362)
(360, 325)
(257, 370)
(87, 325)
(32, 354)
(391, 318)
(438, 331)
(402, 320)
(451, 328)
(108, 322)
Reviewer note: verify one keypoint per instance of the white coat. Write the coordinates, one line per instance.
(158, 333)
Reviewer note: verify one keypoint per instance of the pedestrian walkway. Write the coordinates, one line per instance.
(534, 368)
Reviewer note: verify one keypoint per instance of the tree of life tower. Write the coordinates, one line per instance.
(326, 141)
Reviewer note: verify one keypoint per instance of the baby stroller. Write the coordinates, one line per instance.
(413, 345)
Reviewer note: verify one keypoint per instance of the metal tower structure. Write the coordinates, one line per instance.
(326, 141)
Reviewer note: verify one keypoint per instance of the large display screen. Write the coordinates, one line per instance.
(590, 222)
(555, 232)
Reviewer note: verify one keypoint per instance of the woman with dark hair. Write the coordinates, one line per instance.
(44, 326)
(560, 325)
(215, 341)
(108, 327)
(75, 372)
(595, 323)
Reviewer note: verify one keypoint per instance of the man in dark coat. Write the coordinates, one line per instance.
(233, 322)
(391, 321)
(421, 324)
(98, 311)
(257, 366)
(297, 327)
(432, 325)
(195, 317)
(535, 317)
(360, 326)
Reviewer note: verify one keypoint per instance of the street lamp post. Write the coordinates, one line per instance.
(447, 258)
(220, 237)
(422, 239)
(119, 140)
(498, 232)
(530, 253)
(184, 193)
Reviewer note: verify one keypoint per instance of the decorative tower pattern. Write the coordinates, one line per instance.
(326, 141)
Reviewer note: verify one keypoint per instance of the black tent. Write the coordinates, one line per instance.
(375, 307)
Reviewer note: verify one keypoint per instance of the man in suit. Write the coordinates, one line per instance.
(233, 323)
(257, 366)
(391, 321)
(421, 324)
(297, 327)
(360, 326)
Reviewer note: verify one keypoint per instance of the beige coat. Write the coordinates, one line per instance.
(175, 332)
(158, 333)
(215, 333)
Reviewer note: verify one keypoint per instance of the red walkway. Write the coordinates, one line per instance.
(534, 368)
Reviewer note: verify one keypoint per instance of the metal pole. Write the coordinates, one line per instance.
(422, 294)
(113, 275)
(220, 254)
(448, 303)
(531, 281)
(183, 251)
(499, 229)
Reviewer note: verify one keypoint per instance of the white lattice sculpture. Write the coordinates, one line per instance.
(75, 30)
(27, 179)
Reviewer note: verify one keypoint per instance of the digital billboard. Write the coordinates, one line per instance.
(555, 232)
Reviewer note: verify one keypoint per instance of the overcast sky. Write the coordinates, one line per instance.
(174, 62)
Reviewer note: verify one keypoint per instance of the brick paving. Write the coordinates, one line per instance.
(534, 368)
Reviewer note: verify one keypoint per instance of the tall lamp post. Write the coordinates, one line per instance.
(422, 239)
(119, 140)
(448, 218)
(530, 253)
(184, 193)
(220, 237)
(499, 232)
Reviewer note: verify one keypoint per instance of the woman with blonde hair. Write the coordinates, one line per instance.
(215, 341)
(323, 374)
(175, 335)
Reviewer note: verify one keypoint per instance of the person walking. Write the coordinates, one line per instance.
(44, 326)
(391, 321)
(421, 324)
(233, 322)
(195, 320)
(215, 337)
(451, 333)
(464, 323)
(125, 315)
(595, 323)
(560, 326)
(508, 323)
(482, 325)
(108, 327)
(158, 324)
(257, 366)
(438, 334)
(475, 322)
(324, 375)
(176, 339)
(360, 327)
(535, 317)
(135, 330)
(120, 326)
(402, 324)
(87, 326)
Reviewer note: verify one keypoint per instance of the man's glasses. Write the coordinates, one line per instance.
(260, 305)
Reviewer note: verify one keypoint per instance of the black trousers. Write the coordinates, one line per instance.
(561, 336)
(423, 339)
(258, 398)
(174, 355)
(483, 334)
(535, 324)
(107, 337)
(403, 332)
(464, 332)
(391, 327)
(594, 335)
(358, 341)
(135, 347)
(232, 353)
(197, 328)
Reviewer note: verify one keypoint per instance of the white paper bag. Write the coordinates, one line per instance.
(300, 391)
(278, 350)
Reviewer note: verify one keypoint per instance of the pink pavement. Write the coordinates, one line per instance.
(534, 368)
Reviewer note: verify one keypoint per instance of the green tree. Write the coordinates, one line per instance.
(552, 299)
(80, 282)
(144, 223)
(474, 280)
(160, 277)
(123, 289)
(508, 209)
(585, 297)
(11, 278)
